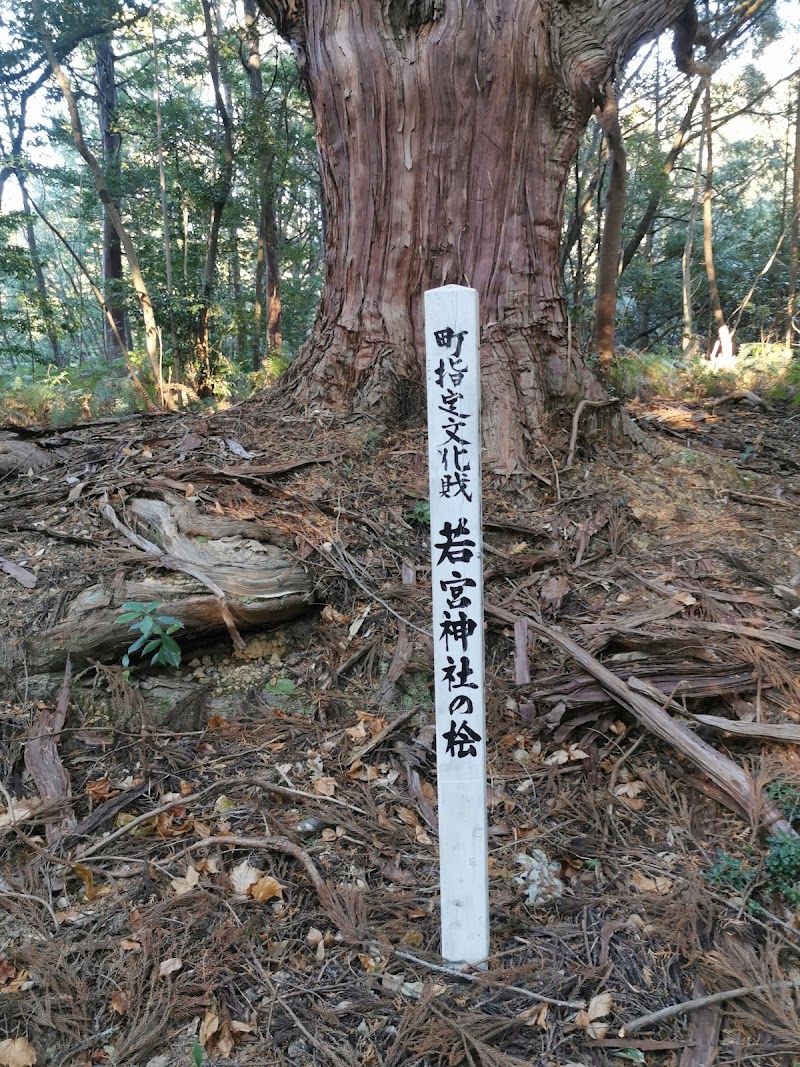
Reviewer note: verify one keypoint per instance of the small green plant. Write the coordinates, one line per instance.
(786, 794)
(197, 1053)
(420, 514)
(280, 687)
(782, 865)
(730, 873)
(155, 633)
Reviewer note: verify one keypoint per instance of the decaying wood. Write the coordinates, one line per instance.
(691, 679)
(19, 574)
(726, 774)
(772, 731)
(741, 394)
(704, 1028)
(89, 630)
(252, 585)
(576, 419)
(403, 649)
(43, 762)
(18, 457)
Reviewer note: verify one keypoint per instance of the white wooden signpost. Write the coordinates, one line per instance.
(452, 341)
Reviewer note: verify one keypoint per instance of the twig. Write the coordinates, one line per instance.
(270, 787)
(484, 979)
(39, 900)
(270, 844)
(703, 1002)
(379, 738)
(576, 418)
(335, 551)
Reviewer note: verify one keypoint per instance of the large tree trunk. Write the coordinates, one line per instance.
(447, 129)
(111, 141)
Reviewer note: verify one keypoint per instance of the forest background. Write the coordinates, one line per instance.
(202, 134)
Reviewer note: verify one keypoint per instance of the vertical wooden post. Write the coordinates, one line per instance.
(452, 341)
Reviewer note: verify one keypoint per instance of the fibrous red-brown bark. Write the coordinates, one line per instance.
(446, 131)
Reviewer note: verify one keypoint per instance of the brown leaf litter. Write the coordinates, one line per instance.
(252, 858)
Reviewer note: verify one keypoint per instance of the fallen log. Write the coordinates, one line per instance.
(224, 583)
(18, 457)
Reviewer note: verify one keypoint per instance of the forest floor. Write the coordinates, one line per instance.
(248, 874)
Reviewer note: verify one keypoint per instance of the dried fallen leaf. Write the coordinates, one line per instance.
(170, 966)
(119, 1002)
(630, 789)
(329, 614)
(420, 836)
(130, 946)
(101, 789)
(407, 816)
(225, 1042)
(17, 1052)
(187, 882)
(238, 1027)
(685, 598)
(243, 876)
(599, 1006)
(413, 937)
(566, 755)
(534, 1016)
(266, 888)
(660, 884)
(208, 1026)
(314, 936)
(357, 733)
(324, 787)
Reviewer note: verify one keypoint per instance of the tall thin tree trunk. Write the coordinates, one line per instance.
(267, 272)
(687, 334)
(43, 297)
(679, 142)
(148, 316)
(608, 264)
(794, 233)
(111, 141)
(162, 186)
(220, 195)
(108, 318)
(724, 344)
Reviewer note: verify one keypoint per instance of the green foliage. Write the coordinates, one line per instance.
(778, 874)
(782, 865)
(729, 872)
(420, 514)
(154, 633)
(280, 687)
(197, 1053)
(786, 794)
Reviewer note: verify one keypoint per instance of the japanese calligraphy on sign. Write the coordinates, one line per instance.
(453, 381)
